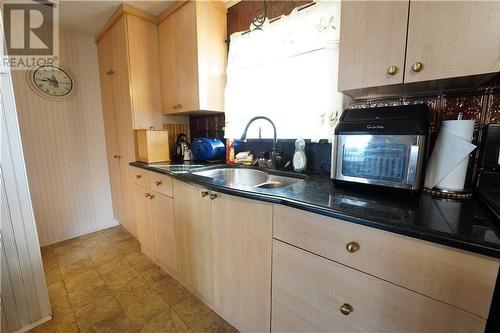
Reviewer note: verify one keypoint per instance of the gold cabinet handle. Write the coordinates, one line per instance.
(175, 107)
(346, 309)
(117, 156)
(151, 196)
(146, 194)
(204, 193)
(392, 70)
(417, 67)
(138, 176)
(110, 72)
(158, 182)
(352, 247)
(179, 106)
(213, 196)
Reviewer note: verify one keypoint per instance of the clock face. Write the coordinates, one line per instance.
(52, 81)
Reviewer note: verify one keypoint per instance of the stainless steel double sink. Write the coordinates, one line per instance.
(247, 177)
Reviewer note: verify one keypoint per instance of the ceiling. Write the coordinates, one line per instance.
(90, 16)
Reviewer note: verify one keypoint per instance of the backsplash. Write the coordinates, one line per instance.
(482, 105)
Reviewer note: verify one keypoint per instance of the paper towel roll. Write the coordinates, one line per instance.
(447, 166)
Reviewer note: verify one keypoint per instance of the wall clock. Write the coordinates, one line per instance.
(52, 82)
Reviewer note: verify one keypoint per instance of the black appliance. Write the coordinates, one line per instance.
(181, 148)
(383, 146)
(488, 181)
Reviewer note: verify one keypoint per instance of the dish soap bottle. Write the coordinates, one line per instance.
(299, 157)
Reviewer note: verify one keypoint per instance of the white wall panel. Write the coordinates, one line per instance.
(24, 299)
(65, 148)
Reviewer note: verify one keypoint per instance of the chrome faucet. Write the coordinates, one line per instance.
(274, 154)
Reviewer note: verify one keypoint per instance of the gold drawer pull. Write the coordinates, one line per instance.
(117, 156)
(417, 67)
(146, 194)
(138, 176)
(179, 106)
(151, 196)
(352, 247)
(392, 70)
(346, 309)
(213, 196)
(204, 193)
(158, 182)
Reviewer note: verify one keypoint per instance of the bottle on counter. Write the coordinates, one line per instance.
(230, 153)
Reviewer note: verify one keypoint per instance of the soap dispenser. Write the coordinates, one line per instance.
(299, 157)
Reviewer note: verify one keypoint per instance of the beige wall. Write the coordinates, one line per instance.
(65, 149)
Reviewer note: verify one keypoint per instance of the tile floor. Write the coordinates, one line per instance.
(101, 282)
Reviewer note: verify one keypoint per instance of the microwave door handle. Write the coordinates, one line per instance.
(412, 165)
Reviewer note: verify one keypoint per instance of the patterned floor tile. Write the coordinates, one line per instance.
(132, 291)
(166, 322)
(173, 292)
(191, 310)
(93, 313)
(212, 323)
(101, 282)
(79, 280)
(88, 294)
(145, 309)
(117, 323)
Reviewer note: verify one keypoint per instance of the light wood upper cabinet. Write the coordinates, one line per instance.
(118, 47)
(193, 226)
(193, 57)
(453, 39)
(372, 38)
(424, 41)
(242, 232)
(144, 73)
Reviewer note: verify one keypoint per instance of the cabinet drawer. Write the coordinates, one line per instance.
(161, 183)
(462, 279)
(309, 291)
(140, 176)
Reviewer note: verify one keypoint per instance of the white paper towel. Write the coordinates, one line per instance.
(447, 166)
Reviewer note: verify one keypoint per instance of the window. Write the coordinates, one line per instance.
(288, 72)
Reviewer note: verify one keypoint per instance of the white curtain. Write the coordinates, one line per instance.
(288, 72)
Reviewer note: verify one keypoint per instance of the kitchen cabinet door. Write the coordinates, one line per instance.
(186, 57)
(144, 73)
(314, 294)
(112, 151)
(142, 216)
(118, 45)
(168, 59)
(452, 39)
(125, 139)
(193, 226)
(372, 39)
(162, 213)
(242, 242)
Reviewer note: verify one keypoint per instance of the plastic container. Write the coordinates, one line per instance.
(207, 149)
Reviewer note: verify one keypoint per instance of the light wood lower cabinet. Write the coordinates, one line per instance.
(242, 231)
(193, 225)
(462, 279)
(154, 218)
(143, 221)
(162, 214)
(310, 293)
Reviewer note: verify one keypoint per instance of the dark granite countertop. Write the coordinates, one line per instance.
(465, 225)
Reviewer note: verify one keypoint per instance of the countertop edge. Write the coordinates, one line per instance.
(417, 234)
